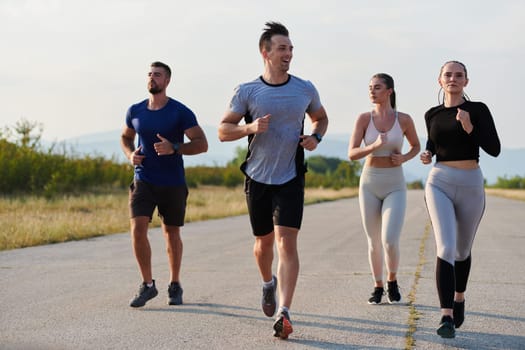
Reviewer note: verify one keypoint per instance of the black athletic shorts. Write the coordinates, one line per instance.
(270, 205)
(169, 200)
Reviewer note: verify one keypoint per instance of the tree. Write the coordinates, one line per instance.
(323, 165)
(240, 156)
(25, 128)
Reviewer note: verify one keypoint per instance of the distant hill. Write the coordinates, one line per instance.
(509, 163)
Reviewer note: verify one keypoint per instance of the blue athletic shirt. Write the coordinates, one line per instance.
(170, 122)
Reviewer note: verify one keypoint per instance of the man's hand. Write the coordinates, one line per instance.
(260, 125)
(164, 147)
(136, 157)
(308, 142)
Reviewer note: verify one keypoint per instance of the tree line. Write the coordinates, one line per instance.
(28, 168)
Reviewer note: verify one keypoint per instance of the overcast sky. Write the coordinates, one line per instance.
(77, 65)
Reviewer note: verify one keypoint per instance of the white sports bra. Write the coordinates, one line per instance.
(394, 142)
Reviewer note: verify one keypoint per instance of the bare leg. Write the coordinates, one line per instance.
(288, 266)
(263, 252)
(392, 276)
(141, 246)
(459, 297)
(446, 312)
(174, 248)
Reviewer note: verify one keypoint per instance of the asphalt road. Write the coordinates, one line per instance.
(75, 295)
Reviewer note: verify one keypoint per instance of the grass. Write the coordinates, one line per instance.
(29, 221)
(507, 193)
(414, 315)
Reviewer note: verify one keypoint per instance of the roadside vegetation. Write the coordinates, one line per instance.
(29, 220)
(53, 195)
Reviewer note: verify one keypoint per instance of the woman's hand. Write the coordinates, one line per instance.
(397, 158)
(464, 118)
(380, 141)
(426, 157)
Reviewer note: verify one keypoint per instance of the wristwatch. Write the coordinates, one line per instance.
(317, 136)
(176, 147)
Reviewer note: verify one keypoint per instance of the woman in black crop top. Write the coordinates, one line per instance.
(454, 192)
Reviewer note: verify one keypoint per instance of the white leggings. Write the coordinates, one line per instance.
(382, 200)
(455, 201)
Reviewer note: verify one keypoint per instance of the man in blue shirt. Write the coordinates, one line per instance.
(160, 123)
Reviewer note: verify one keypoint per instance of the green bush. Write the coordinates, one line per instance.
(515, 182)
(27, 168)
(30, 170)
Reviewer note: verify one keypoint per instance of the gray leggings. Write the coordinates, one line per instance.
(382, 200)
(455, 201)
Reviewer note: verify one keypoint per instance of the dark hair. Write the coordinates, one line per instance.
(453, 61)
(389, 82)
(158, 64)
(271, 29)
(465, 96)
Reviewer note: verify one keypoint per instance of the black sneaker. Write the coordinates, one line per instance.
(446, 327)
(144, 294)
(174, 294)
(393, 295)
(377, 294)
(269, 303)
(459, 313)
(282, 326)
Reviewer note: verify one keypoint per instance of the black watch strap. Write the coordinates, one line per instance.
(176, 147)
(318, 137)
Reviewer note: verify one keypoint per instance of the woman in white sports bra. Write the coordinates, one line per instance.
(382, 187)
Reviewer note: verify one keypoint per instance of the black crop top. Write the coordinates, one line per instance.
(447, 139)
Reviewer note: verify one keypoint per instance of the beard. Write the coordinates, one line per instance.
(154, 89)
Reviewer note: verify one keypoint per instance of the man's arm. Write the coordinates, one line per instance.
(198, 142)
(319, 125)
(127, 143)
(230, 130)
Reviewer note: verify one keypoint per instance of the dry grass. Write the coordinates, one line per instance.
(507, 193)
(30, 221)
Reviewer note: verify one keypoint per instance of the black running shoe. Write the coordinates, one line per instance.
(393, 295)
(446, 327)
(144, 294)
(459, 313)
(377, 294)
(174, 294)
(282, 326)
(269, 303)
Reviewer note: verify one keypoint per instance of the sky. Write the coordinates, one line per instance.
(75, 66)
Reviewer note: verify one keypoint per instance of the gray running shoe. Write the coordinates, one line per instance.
(174, 294)
(269, 302)
(144, 294)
